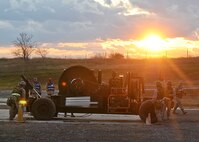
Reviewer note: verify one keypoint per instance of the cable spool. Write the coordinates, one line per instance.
(77, 81)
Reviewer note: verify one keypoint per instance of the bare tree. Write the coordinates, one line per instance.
(24, 46)
(42, 52)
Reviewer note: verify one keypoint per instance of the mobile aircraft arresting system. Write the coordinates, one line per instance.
(80, 91)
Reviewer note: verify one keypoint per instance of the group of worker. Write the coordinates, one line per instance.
(50, 86)
(19, 92)
(169, 95)
(13, 101)
(165, 95)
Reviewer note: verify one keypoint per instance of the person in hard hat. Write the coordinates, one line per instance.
(112, 81)
(37, 85)
(179, 93)
(13, 101)
(169, 95)
(115, 81)
(50, 87)
(159, 93)
(159, 101)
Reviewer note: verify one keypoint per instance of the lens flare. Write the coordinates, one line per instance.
(153, 43)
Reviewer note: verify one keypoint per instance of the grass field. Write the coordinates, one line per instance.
(181, 69)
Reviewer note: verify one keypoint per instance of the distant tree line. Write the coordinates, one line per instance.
(110, 56)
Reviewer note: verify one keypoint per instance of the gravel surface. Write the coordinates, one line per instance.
(180, 128)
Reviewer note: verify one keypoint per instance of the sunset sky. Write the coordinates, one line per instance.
(84, 28)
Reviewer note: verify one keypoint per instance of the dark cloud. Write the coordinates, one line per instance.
(180, 16)
(86, 20)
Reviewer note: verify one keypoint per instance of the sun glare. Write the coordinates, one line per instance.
(153, 42)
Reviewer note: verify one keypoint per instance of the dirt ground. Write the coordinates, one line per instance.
(104, 128)
(180, 128)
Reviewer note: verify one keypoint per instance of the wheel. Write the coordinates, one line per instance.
(43, 109)
(145, 108)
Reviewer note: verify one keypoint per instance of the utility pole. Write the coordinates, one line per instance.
(146, 51)
(127, 54)
(187, 52)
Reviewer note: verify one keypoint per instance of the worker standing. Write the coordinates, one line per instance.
(169, 95)
(13, 101)
(113, 80)
(159, 93)
(179, 93)
(159, 101)
(50, 87)
(37, 85)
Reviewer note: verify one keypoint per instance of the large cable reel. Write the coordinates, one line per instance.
(77, 81)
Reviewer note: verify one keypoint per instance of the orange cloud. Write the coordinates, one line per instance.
(173, 47)
(6, 52)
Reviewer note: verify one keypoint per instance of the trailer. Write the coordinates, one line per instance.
(80, 91)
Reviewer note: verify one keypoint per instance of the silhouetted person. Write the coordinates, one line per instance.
(178, 99)
(50, 87)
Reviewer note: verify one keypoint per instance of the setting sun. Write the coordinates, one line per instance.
(153, 42)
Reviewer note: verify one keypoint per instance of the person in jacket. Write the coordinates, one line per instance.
(159, 93)
(113, 81)
(37, 85)
(169, 95)
(179, 93)
(50, 87)
(13, 101)
(159, 104)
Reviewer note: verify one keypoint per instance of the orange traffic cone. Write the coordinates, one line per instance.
(148, 119)
(20, 114)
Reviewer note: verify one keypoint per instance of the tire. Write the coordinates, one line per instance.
(43, 109)
(145, 108)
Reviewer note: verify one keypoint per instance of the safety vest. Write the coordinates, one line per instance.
(37, 86)
(50, 86)
(16, 94)
(17, 90)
